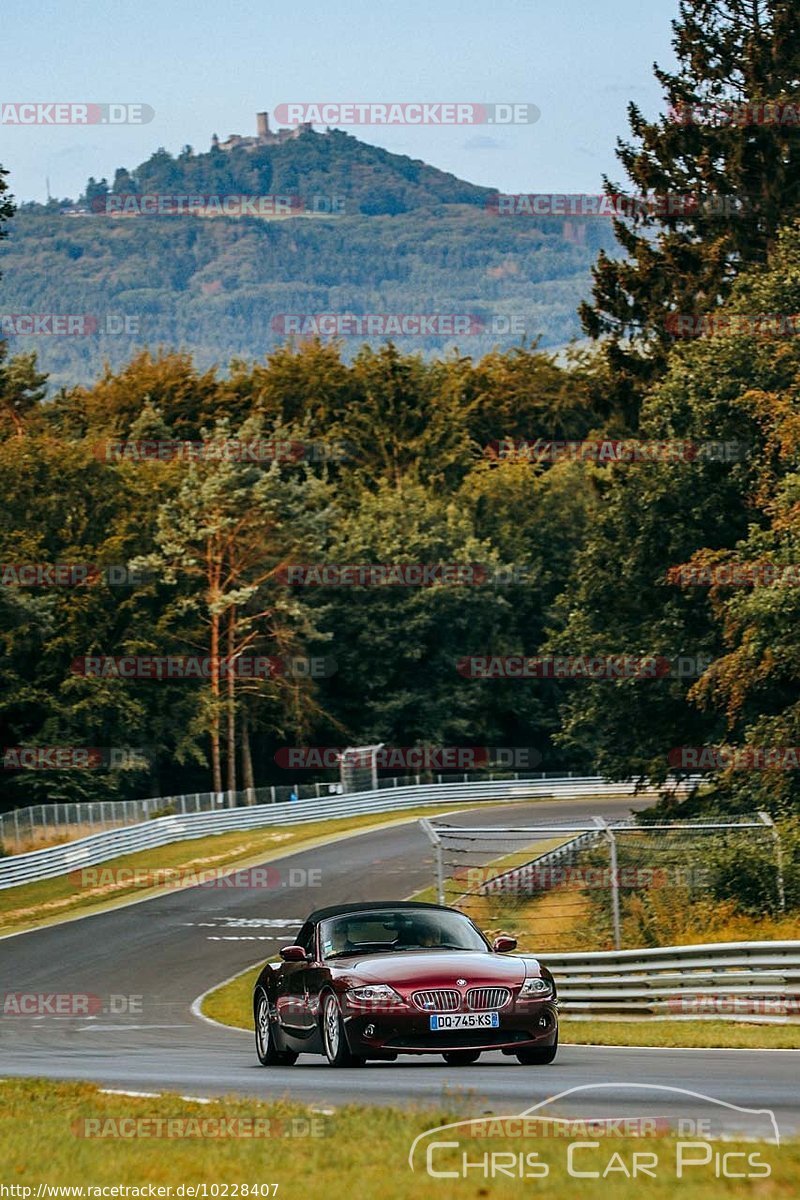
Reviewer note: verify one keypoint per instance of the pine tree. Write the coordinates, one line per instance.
(728, 168)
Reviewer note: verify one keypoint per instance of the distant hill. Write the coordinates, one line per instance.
(408, 239)
(372, 181)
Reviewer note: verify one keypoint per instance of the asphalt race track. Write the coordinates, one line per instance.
(170, 949)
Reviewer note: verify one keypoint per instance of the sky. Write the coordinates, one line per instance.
(207, 67)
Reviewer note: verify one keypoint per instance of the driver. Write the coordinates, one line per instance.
(411, 933)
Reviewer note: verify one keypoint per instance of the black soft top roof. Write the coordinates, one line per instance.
(362, 906)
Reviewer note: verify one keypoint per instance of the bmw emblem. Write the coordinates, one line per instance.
(461, 982)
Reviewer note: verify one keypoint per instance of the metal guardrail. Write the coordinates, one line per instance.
(100, 847)
(752, 981)
(83, 818)
(521, 879)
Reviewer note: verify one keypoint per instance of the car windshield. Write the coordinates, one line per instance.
(396, 931)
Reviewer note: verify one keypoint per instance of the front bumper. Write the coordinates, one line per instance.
(375, 1033)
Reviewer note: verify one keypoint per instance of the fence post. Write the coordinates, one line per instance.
(612, 857)
(776, 837)
(433, 837)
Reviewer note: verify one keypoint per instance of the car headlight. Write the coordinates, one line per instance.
(536, 989)
(375, 993)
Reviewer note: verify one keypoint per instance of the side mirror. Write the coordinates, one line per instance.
(297, 954)
(502, 944)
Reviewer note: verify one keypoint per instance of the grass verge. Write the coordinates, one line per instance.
(231, 1004)
(93, 1139)
(31, 905)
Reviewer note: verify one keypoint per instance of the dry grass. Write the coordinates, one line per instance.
(43, 836)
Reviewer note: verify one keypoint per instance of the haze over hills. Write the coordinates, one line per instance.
(370, 232)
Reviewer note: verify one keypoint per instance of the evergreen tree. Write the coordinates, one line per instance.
(728, 169)
(7, 208)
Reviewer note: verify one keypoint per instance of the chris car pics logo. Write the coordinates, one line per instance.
(676, 1134)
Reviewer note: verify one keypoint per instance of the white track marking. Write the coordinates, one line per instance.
(121, 1027)
(122, 1092)
(245, 937)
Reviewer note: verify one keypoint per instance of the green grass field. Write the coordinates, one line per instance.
(71, 1134)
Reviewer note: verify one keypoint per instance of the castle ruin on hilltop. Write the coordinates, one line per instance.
(264, 136)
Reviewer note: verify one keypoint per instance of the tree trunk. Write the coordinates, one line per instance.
(216, 765)
(231, 708)
(248, 782)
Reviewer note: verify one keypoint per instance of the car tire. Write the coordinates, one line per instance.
(538, 1056)
(334, 1037)
(267, 1052)
(461, 1058)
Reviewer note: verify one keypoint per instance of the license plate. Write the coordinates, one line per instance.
(487, 1020)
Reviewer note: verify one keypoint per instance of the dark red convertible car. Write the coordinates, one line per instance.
(371, 981)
